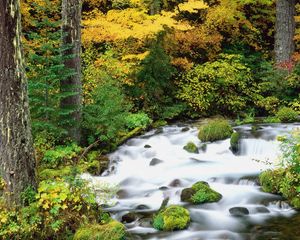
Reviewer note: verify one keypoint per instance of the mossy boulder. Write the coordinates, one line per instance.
(199, 193)
(191, 147)
(112, 230)
(172, 218)
(217, 129)
(235, 142)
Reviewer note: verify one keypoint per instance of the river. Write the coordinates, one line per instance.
(155, 166)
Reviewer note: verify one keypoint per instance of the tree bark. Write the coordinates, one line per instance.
(71, 42)
(285, 31)
(17, 161)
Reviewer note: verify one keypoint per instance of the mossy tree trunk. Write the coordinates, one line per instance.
(71, 87)
(17, 159)
(285, 31)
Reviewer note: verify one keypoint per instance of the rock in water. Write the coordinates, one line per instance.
(239, 211)
(155, 161)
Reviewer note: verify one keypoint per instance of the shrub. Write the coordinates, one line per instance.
(58, 209)
(61, 155)
(286, 114)
(270, 180)
(223, 86)
(105, 117)
(217, 129)
(285, 180)
(172, 218)
(271, 119)
(135, 120)
(112, 230)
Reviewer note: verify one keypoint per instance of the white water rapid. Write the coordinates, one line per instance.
(144, 187)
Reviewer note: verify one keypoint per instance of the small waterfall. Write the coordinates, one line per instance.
(258, 147)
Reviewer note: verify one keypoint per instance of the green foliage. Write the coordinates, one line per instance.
(277, 87)
(45, 71)
(105, 117)
(108, 231)
(55, 211)
(172, 218)
(270, 180)
(286, 179)
(222, 86)
(61, 155)
(204, 194)
(135, 120)
(271, 119)
(191, 147)
(290, 148)
(286, 114)
(217, 129)
(154, 86)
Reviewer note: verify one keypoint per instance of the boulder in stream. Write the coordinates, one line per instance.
(191, 147)
(155, 161)
(130, 217)
(199, 193)
(172, 218)
(239, 211)
(235, 142)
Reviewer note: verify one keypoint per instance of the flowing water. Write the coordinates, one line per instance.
(145, 183)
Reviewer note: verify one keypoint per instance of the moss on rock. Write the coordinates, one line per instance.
(199, 193)
(172, 218)
(217, 129)
(191, 147)
(234, 142)
(112, 230)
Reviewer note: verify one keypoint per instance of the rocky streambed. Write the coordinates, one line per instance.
(154, 167)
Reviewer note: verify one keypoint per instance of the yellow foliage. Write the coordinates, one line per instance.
(128, 23)
(192, 6)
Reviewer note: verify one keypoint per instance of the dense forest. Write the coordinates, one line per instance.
(79, 78)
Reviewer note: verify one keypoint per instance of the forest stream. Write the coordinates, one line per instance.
(153, 167)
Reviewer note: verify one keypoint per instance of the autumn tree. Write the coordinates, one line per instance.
(17, 159)
(285, 30)
(71, 87)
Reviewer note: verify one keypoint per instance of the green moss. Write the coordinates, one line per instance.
(217, 129)
(172, 218)
(191, 147)
(270, 180)
(234, 142)
(286, 114)
(295, 202)
(159, 123)
(110, 231)
(204, 194)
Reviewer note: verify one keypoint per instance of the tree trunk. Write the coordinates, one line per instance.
(17, 161)
(285, 31)
(72, 86)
